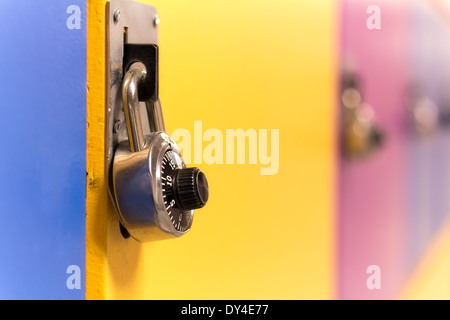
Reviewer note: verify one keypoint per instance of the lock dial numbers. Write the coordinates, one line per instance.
(171, 163)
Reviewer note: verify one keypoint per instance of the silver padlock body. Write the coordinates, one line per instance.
(137, 188)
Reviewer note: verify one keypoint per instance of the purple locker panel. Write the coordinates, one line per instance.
(428, 147)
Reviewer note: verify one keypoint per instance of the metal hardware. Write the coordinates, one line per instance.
(116, 15)
(136, 74)
(153, 192)
(134, 26)
(156, 20)
(148, 55)
(135, 175)
(360, 136)
(156, 120)
(424, 115)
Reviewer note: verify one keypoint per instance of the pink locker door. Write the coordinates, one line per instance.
(371, 189)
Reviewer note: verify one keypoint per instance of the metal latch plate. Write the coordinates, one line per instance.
(126, 22)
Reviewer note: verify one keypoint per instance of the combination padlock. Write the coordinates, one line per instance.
(155, 194)
(360, 136)
(423, 113)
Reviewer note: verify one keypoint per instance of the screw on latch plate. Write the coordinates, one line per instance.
(116, 15)
(156, 20)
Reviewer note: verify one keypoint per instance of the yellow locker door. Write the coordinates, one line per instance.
(267, 232)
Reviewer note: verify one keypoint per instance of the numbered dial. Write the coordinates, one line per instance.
(183, 190)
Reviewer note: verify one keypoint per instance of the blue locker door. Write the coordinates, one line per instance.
(43, 149)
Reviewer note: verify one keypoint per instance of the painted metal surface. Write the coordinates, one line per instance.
(43, 159)
(371, 190)
(229, 65)
(394, 203)
(428, 182)
(390, 205)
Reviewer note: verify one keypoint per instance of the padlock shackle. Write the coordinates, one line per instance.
(155, 116)
(135, 74)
